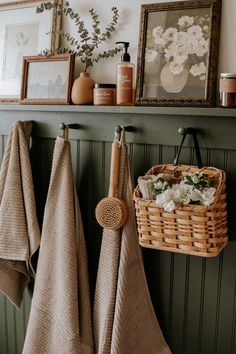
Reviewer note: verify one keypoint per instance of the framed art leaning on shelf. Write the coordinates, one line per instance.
(47, 79)
(22, 32)
(178, 52)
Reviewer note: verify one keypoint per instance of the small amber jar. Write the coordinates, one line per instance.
(104, 94)
(228, 90)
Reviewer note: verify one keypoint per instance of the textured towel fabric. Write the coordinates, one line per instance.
(124, 318)
(19, 229)
(60, 316)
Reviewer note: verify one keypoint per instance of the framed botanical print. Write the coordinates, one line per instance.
(22, 32)
(178, 52)
(47, 79)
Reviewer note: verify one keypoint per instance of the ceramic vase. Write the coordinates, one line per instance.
(173, 83)
(82, 89)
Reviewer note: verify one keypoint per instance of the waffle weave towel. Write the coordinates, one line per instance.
(19, 229)
(60, 316)
(124, 318)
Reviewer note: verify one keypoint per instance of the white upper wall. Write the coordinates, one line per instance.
(128, 30)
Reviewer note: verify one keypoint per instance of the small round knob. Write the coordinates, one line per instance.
(181, 131)
(62, 126)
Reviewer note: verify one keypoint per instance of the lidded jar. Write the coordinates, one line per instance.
(228, 90)
(104, 94)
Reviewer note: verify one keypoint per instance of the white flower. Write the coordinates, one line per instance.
(185, 20)
(159, 41)
(157, 31)
(192, 45)
(169, 52)
(180, 53)
(196, 195)
(185, 193)
(169, 34)
(182, 193)
(195, 177)
(197, 70)
(208, 196)
(202, 48)
(166, 200)
(176, 68)
(150, 55)
(180, 37)
(195, 32)
(161, 185)
(202, 77)
(201, 20)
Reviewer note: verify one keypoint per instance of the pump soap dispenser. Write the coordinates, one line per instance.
(125, 79)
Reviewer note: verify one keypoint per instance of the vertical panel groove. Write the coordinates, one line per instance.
(6, 325)
(216, 336)
(185, 322)
(15, 330)
(171, 294)
(201, 306)
(233, 323)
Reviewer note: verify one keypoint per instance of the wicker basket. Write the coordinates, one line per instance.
(193, 229)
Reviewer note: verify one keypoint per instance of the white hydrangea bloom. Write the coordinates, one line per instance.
(157, 31)
(195, 32)
(166, 200)
(185, 21)
(197, 70)
(208, 196)
(169, 34)
(150, 55)
(202, 48)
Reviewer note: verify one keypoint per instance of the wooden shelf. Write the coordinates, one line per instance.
(152, 125)
(178, 111)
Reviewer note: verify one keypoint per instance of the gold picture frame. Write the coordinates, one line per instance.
(178, 53)
(23, 32)
(47, 79)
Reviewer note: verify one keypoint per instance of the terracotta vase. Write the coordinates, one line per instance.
(82, 89)
(173, 83)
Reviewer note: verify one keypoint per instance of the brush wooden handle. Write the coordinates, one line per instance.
(111, 212)
(114, 171)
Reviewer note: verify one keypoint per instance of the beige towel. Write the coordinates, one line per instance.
(124, 318)
(19, 230)
(60, 317)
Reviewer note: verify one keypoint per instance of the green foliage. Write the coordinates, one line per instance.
(87, 43)
(198, 181)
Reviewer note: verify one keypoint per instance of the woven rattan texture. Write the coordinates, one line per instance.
(192, 229)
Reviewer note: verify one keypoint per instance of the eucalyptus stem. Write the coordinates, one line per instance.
(87, 43)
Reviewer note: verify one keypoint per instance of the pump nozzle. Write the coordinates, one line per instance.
(125, 56)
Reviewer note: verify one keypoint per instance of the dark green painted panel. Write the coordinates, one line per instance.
(194, 298)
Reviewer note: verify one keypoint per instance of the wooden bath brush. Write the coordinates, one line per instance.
(111, 212)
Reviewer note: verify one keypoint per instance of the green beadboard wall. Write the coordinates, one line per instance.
(194, 297)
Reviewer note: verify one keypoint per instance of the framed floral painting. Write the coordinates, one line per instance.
(178, 52)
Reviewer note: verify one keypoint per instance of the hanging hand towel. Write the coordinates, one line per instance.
(60, 317)
(19, 230)
(124, 318)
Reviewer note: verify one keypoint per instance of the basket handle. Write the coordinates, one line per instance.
(190, 131)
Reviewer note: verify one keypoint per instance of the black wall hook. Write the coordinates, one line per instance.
(128, 128)
(63, 126)
(191, 131)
